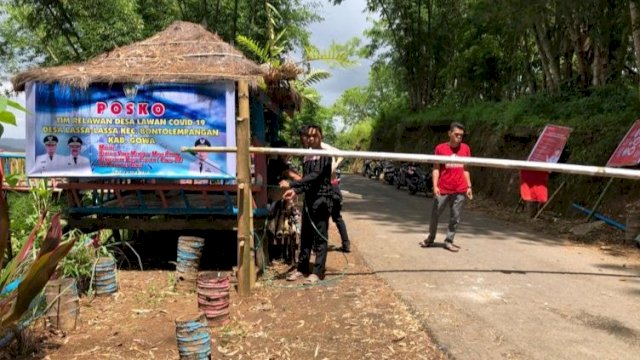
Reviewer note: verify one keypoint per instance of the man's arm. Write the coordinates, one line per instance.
(435, 176)
(312, 176)
(292, 175)
(467, 177)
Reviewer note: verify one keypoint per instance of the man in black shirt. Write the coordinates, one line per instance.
(318, 200)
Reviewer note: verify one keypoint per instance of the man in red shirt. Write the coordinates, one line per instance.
(451, 185)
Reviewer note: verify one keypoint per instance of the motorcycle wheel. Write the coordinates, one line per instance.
(412, 190)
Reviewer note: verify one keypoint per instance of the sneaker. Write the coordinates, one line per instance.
(312, 279)
(448, 245)
(294, 275)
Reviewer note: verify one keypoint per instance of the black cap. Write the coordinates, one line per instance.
(50, 139)
(202, 142)
(74, 140)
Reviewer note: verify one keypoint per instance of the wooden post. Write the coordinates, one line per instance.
(246, 265)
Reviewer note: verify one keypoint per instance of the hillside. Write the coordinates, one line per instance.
(509, 130)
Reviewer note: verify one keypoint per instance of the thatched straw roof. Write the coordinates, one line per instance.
(183, 52)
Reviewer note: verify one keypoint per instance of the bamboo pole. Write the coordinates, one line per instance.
(471, 161)
(550, 199)
(600, 198)
(246, 272)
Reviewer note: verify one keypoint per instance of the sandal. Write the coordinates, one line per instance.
(451, 247)
(294, 275)
(312, 279)
(426, 243)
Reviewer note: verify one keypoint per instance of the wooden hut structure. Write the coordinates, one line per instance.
(184, 53)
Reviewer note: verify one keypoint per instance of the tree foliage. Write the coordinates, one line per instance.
(465, 51)
(50, 32)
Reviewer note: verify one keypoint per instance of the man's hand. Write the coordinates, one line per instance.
(469, 194)
(284, 184)
(436, 191)
(289, 194)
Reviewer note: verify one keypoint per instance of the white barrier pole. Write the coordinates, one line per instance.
(471, 161)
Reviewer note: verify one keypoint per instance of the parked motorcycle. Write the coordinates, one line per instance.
(401, 176)
(389, 172)
(419, 180)
(372, 169)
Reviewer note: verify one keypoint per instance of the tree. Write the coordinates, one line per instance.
(462, 51)
(310, 113)
(288, 82)
(58, 32)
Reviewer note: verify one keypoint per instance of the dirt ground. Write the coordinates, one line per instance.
(352, 315)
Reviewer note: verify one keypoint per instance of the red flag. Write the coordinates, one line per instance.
(533, 185)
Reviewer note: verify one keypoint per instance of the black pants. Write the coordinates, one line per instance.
(315, 219)
(336, 216)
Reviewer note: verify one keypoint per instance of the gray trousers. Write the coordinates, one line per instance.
(455, 201)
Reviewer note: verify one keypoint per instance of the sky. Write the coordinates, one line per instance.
(14, 132)
(341, 23)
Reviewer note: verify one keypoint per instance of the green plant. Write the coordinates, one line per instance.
(30, 270)
(172, 280)
(6, 116)
(26, 274)
(81, 260)
(25, 210)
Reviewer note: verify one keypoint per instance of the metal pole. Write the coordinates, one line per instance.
(471, 161)
(549, 201)
(245, 211)
(597, 204)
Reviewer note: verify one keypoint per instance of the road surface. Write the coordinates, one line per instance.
(510, 293)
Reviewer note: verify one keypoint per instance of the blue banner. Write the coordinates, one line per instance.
(130, 131)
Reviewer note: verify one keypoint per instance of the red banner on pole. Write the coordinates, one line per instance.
(548, 148)
(628, 151)
(550, 144)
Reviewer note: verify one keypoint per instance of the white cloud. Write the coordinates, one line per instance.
(341, 23)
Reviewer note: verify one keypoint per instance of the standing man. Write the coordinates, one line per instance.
(451, 185)
(51, 161)
(80, 165)
(336, 209)
(202, 165)
(318, 200)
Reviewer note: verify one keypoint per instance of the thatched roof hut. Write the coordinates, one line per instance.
(183, 52)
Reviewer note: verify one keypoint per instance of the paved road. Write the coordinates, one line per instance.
(509, 293)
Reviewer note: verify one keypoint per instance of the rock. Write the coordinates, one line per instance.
(585, 229)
